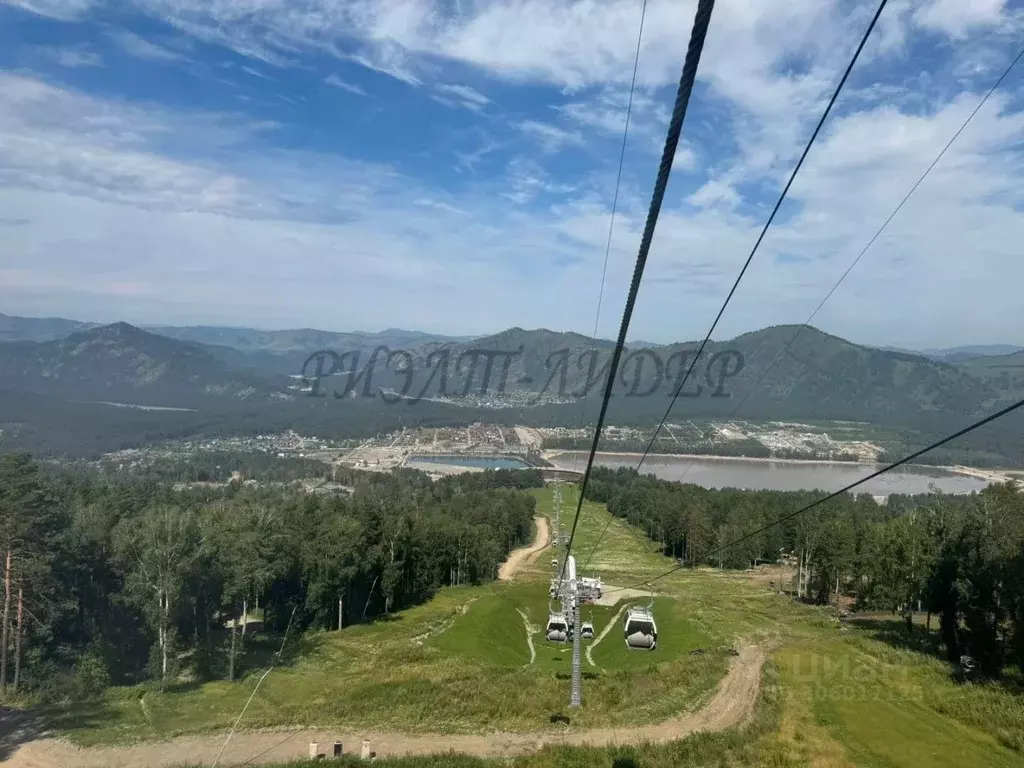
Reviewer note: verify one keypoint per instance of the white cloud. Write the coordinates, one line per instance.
(463, 95)
(73, 57)
(56, 140)
(64, 10)
(715, 192)
(390, 61)
(255, 73)
(143, 49)
(426, 202)
(551, 137)
(337, 82)
(99, 182)
(957, 17)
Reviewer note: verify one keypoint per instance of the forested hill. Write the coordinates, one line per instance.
(818, 376)
(122, 362)
(824, 375)
(529, 377)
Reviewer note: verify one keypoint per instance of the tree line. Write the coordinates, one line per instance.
(958, 558)
(122, 580)
(218, 466)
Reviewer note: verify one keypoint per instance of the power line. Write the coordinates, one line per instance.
(764, 230)
(615, 196)
(699, 32)
(757, 244)
(888, 468)
(870, 242)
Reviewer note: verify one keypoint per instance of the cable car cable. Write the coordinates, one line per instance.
(870, 242)
(888, 468)
(615, 196)
(753, 251)
(764, 231)
(702, 19)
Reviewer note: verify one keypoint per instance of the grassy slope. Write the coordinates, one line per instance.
(832, 696)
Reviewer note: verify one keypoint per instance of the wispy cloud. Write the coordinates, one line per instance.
(427, 202)
(463, 96)
(73, 57)
(141, 48)
(551, 137)
(64, 10)
(336, 81)
(256, 73)
(390, 61)
(144, 194)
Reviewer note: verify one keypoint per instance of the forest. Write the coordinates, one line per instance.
(118, 580)
(959, 559)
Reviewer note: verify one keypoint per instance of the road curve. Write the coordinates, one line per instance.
(731, 705)
(519, 557)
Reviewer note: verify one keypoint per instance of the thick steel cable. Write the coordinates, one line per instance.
(699, 32)
(864, 250)
(764, 230)
(824, 499)
(615, 202)
(753, 251)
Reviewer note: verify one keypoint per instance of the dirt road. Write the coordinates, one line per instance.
(731, 706)
(520, 557)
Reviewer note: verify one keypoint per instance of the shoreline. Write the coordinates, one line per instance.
(990, 475)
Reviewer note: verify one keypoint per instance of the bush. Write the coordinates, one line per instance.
(91, 677)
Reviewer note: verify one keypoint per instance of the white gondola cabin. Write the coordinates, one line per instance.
(640, 629)
(557, 630)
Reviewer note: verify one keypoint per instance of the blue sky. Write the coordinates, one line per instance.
(449, 165)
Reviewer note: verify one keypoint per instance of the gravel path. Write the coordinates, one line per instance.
(731, 705)
(520, 557)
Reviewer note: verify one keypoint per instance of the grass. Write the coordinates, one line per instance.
(833, 694)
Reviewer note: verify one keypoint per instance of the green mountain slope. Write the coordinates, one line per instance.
(125, 363)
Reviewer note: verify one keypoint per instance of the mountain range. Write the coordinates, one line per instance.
(238, 379)
(797, 370)
(288, 345)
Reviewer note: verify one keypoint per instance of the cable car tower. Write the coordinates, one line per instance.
(570, 591)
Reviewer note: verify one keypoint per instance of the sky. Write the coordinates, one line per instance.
(450, 165)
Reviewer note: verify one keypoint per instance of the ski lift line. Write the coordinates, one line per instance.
(870, 242)
(701, 20)
(615, 200)
(888, 468)
(767, 225)
(274, 663)
(757, 244)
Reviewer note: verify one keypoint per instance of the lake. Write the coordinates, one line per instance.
(782, 476)
(476, 462)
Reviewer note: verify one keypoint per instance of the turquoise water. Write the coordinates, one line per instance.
(477, 462)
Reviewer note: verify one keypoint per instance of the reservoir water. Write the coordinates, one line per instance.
(477, 462)
(763, 474)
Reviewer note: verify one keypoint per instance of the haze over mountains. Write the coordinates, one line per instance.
(292, 342)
